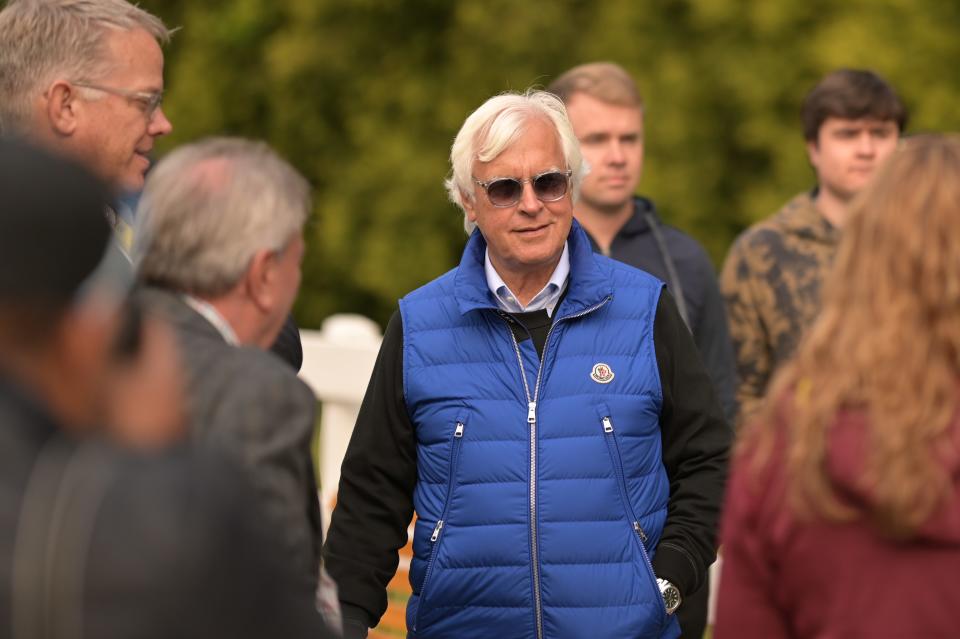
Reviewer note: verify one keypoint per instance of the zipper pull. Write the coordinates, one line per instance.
(638, 530)
(607, 425)
(459, 431)
(532, 413)
(436, 531)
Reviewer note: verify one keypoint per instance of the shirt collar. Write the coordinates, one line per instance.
(212, 315)
(546, 299)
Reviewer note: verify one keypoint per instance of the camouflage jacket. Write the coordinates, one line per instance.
(771, 284)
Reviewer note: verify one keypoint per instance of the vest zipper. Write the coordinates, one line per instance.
(438, 529)
(532, 422)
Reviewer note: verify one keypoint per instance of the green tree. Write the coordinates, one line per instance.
(365, 96)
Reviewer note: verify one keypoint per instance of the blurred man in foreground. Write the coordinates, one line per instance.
(96, 541)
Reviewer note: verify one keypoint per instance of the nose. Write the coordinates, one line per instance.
(159, 124)
(615, 154)
(866, 145)
(529, 202)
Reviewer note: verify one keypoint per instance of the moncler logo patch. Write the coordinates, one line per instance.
(602, 373)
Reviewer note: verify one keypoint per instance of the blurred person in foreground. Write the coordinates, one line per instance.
(97, 541)
(606, 111)
(772, 276)
(219, 254)
(542, 409)
(84, 78)
(843, 512)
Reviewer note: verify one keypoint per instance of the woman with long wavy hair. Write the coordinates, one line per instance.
(843, 508)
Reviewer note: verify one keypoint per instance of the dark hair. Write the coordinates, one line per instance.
(853, 94)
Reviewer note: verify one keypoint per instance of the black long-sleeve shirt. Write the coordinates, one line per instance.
(375, 502)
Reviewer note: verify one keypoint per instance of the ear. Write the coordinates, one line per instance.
(469, 207)
(260, 278)
(813, 152)
(62, 107)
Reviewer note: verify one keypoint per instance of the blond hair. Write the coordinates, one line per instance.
(41, 40)
(886, 346)
(605, 81)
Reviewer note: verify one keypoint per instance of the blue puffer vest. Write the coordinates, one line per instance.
(541, 492)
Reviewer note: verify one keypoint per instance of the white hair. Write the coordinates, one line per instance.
(209, 207)
(43, 39)
(492, 128)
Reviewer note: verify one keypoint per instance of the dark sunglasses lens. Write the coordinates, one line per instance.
(504, 192)
(550, 186)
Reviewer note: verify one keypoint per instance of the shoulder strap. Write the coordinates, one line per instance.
(675, 285)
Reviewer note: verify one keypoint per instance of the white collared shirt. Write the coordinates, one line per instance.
(213, 316)
(547, 298)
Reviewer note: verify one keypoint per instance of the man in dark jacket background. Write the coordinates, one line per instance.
(606, 110)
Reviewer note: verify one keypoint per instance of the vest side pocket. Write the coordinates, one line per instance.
(436, 538)
(613, 448)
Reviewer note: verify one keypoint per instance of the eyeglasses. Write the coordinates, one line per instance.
(149, 101)
(549, 186)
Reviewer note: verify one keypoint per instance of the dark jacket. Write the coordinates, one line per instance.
(380, 470)
(116, 545)
(645, 242)
(249, 406)
(791, 577)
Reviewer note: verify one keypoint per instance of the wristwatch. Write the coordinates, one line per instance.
(670, 594)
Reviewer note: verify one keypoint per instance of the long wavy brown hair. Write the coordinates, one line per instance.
(886, 344)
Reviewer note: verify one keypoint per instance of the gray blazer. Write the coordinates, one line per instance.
(250, 406)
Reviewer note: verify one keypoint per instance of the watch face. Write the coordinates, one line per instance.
(670, 594)
(671, 598)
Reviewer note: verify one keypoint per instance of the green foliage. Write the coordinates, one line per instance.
(365, 96)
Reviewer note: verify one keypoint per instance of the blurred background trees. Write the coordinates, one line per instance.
(365, 96)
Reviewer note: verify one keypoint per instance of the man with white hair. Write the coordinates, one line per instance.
(544, 412)
(219, 254)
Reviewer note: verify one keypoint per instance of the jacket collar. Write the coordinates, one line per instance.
(589, 282)
(637, 223)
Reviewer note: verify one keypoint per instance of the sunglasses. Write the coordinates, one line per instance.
(549, 186)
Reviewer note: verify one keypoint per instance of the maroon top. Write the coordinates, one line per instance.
(783, 577)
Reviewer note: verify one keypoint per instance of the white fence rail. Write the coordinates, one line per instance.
(337, 361)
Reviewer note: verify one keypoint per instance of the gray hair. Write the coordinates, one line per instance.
(209, 207)
(488, 131)
(43, 39)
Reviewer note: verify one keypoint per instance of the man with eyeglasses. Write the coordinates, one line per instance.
(85, 79)
(542, 410)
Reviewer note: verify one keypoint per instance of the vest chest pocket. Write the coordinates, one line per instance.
(613, 448)
(436, 537)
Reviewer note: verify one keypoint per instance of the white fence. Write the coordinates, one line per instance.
(337, 361)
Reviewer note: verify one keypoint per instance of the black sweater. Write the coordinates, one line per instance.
(375, 501)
